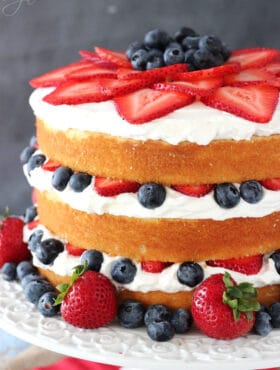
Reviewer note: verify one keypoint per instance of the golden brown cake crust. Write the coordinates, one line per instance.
(173, 240)
(186, 163)
(266, 295)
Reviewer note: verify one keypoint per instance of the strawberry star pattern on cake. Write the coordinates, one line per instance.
(158, 167)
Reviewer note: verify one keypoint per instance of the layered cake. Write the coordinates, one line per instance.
(168, 171)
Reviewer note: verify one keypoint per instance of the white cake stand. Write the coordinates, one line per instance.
(132, 348)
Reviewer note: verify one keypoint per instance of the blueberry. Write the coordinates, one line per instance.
(30, 277)
(157, 313)
(35, 289)
(184, 32)
(123, 271)
(190, 42)
(139, 59)
(173, 55)
(181, 320)
(151, 195)
(251, 191)
(156, 39)
(155, 59)
(33, 141)
(276, 259)
(211, 43)
(225, 52)
(274, 311)
(131, 314)
(263, 308)
(35, 161)
(160, 331)
(30, 214)
(79, 181)
(262, 325)
(24, 268)
(35, 239)
(61, 177)
(48, 250)
(9, 271)
(26, 154)
(189, 59)
(133, 47)
(45, 305)
(226, 195)
(94, 259)
(203, 59)
(190, 274)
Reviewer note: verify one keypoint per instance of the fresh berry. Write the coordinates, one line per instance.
(30, 277)
(123, 271)
(79, 181)
(32, 224)
(154, 266)
(33, 196)
(251, 191)
(190, 42)
(108, 188)
(262, 324)
(151, 195)
(96, 60)
(25, 268)
(203, 74)
(276, 259)
(73, 250)
(254, 103)
(26, 154)
(223, 310)
(190, 274)
(46, 305)
(35, 289)
(152, 75)
(131, 314)
(173, 54)
(12, 247)
(94, 259)
(157, 39)
(181, 320)
(35, 239)
(211, 43)
(115, 88)
(194, 190)
(91, 73)
(51, 165)
(274, 312)
(132, 48)
(160, 331)
(30, 214)
(35, 161)
(271, 184)
(226, 195)
(48, 250)
(9, 271)
(139, 59)
(273, 68)
(33, 142)
(116, 57)
(89, 301)
(157, 313)
(254, 57)
(245, 265)
(203, 59)
(61, 177)
(184, 32)
(189, 59)
(155, 59)
(248, 77)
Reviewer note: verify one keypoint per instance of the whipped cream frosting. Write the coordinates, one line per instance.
(144, 282)
(195, 123)
(176, 205)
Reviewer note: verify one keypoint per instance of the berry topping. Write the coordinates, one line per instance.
(132, 48)
(35, 161)
(147, 104)
(273, 68)
(46, 304)
(91, 72)
(274, 312)
(223, 310)
(25, 268)
(211, 43)
(93, 258)
(254, 57)
(79, 181)
(33, 224)
(96, 60)
(151, 195)
(157, 39)
(116, 57)
(271, 184)
(139, 59)
(194, 190)
(61, 177)
(254, 103)
(248, 77)
(9, 271)
(30, 214)
(119, 87)
(48, 250)
(50, 165)
(131, 314)
(123, 271)
(34, 290)
(226, 195)
(152, 75)
(181, 320)
(173, 54)
(245, 265)
(262, 324)
(73, 250)
(251, 191)
(35, 240)
(276, 259)
(204, 74)
(108, 188)
(160, 331)
(30, 277)
(26, 154)
(190, 274)
(184, 32)
(157, 313)
(154, 266)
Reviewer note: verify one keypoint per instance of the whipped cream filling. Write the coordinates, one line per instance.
(144, 282)
(195, 123)
(176, 205)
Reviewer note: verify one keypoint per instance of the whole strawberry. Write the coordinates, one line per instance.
(12, 247)
(89, 301)
(222, 309)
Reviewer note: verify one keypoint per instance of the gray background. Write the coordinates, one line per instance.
(38, 35)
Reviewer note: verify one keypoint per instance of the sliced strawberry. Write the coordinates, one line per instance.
(156, 74)
(154, 266)
(254, 103)
(50, 165)
(75, 251)
(247, 77)
(204, 74)
(32, 224)
(33, 196)
(96, 60)
(274, 82)
(73, 92)
(273, 68)
(245, 265)
(194, 190)
(108, 187)
(147, 104)
(116, 57)
(196, 87)
(56, 76)
(114, 88)
(91, 72)
(254, 57)
(271, 184)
